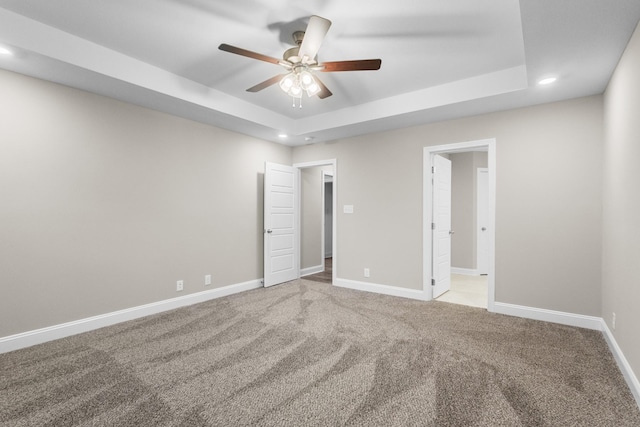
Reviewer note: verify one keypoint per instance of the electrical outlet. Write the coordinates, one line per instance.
(179, 285)
(613, 321)
(207, 279)
(366, 272)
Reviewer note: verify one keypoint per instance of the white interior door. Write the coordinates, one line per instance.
(441, 278)
(281, 255)
(483, 221)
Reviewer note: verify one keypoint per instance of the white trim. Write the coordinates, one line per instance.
(563, 318)
(427, 214)
(375, 288)
(327, 178)
(311, 270)
(581, 321)
(50, 333)
(625, 368)
(465, 271)
(322, 219)
(333, 163)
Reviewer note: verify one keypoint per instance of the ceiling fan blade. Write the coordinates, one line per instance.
(324, 92)
(248, 53)
(265, 84)
(357, 65)
(313, 37)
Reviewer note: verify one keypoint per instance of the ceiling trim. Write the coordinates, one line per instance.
(496, 83)
(38, 38)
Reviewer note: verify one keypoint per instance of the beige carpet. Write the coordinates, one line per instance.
(305, 354)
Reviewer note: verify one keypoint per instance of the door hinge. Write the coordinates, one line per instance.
(433, 225)
(433, 169)
(433, 282)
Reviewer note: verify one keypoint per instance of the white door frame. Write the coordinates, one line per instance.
(323, 248)
(427, 213)
(334, 164)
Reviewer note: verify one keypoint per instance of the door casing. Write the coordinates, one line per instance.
(427, 202)
(334, 164)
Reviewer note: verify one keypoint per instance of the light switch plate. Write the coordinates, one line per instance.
(348, 209)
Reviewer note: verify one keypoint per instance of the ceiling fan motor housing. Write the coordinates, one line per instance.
(297, 37)
(291, 55)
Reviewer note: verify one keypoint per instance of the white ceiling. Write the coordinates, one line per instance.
(440, 59)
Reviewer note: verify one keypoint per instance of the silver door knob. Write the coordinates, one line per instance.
(269, 231)
(484, 228)
(451, 232)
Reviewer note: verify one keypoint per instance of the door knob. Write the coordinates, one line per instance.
(451, 232)
(484, 228)
(269, 231)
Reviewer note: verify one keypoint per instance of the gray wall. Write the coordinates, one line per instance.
(464, 188)
(621, 215)
(104, 205)
(549, 202)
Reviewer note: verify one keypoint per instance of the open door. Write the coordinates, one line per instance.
(281, 255)
(441, 226)
(482, 219)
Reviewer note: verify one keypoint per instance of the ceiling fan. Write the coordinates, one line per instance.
(301, 63)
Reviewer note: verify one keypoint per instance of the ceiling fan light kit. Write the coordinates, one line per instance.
(297, 82)
(301, 62)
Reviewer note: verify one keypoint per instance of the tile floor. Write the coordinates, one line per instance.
(466, 290)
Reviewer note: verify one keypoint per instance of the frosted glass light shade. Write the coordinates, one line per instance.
(288, 82)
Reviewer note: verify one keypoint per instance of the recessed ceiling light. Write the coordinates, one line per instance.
(5, 51)
(308, 138)
(282, 135)
(547, 81)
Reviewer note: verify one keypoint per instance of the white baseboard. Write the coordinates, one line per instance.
(38, 336)
(465, 271)
(625, 368)
(382, 289)
(569, 319)
(581, 321)
(311, 270)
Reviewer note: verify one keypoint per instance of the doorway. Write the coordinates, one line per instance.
(429, 235)
(317, 220)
